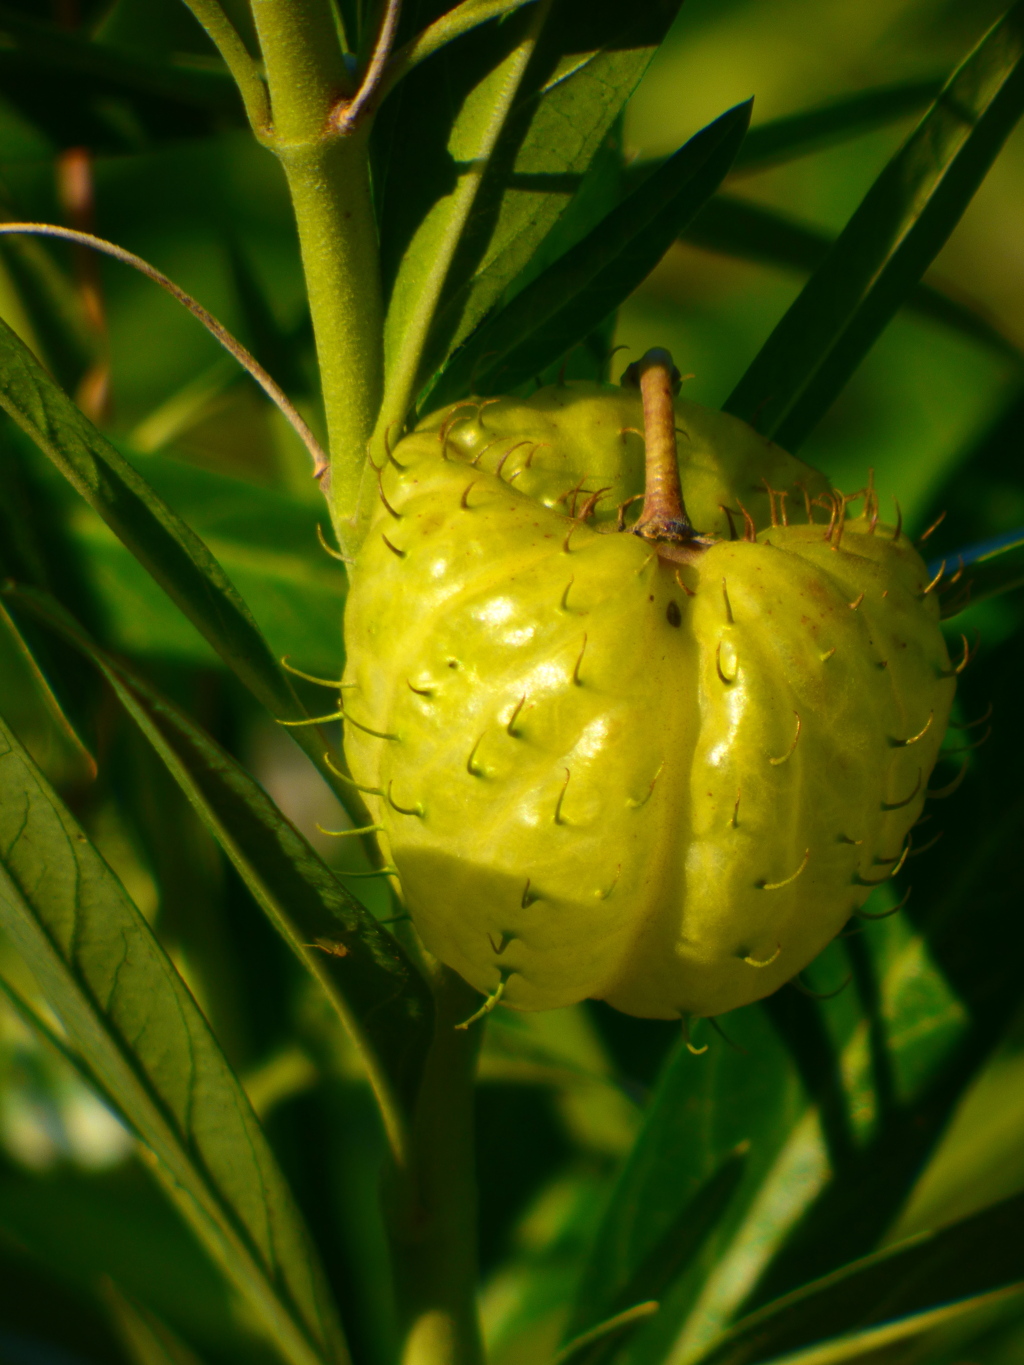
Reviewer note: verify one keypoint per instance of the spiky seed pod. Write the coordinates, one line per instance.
(660, 774)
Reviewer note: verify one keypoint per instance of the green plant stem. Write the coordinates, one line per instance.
(225, 38)
(329, 180)
(432, 1205)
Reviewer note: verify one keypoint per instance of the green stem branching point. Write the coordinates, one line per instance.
(226, 39)
(347, 114)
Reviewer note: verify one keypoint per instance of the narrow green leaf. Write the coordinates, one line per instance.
(810, 130)
(162, 543)
(379, 995)
(54, 302)
(507, 156)
(753, 232)
(666, 1260)
(65, 90)
(712, 1134)
(970, 1258)
(588, 62)
(147, 1340)
(865, 1346)
(35, 1021)
(265, 540)
(278, 348)
(381, 998)
(610, 1333)
(83, 759)
(890, 241)
(141, 1035)
(420, 239)
(65, 51)
(465, 17)
(814, 1102)
(571, 297)
(117, 1222)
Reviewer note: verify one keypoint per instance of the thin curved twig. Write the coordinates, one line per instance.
(347, 113)
(235, 55)
(216, 329)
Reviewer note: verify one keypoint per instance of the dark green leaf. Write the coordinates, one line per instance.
(461, 19)
(53, 301)
(571, 297)
(265, 540)
(475, 180)
(165, 546)
(434, 150)
(117, 1222)
(278, 349)
(795, 135)
(381, 998)
(816, 1099)
(863, 1348)
(710, 1116)
(81, 762)
(42, 1313)
(588, 62)
(810, 130)
(605, 1337)
(752, 232)
(73, 91)
(37, 1024)
(972, 1257)
(141, 1035)
(667, 1259)
(148, 1340)
(889, 242)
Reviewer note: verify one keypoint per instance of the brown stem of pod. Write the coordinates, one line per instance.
(664, 519)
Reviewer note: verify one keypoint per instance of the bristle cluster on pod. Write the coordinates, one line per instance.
(602, 772)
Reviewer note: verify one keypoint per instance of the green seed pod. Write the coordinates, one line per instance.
(658, 769)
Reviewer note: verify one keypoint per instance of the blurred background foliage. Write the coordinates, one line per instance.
(843, 1124)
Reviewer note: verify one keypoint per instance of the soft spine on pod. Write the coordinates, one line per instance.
(641, 763)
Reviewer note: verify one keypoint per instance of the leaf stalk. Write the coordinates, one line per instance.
(226, 39)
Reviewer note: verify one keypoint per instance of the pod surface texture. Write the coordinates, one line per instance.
(601, 773)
